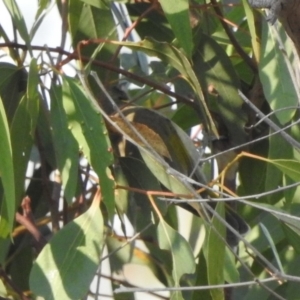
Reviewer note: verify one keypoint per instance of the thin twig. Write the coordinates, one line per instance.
(195, 288)
(233, 40)
(275, 127)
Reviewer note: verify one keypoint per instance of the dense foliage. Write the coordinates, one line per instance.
(154, 105)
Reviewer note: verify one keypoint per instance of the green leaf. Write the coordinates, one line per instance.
(23, 129)
(215, 253)
(185, 117)
(67, 264)
(65, 145)
(290, 167)
(231, 273)
(181, 149)
(272, 245)
(88, 128)
(12, 87)
(251, 24)
(274, 74)
(292, 236)
(89, 22)
(3, 291)
(182, 255)
(179, 19)
(279, 148)
(41, 13)
(7, 176)
(201, 280)
(95, 3)
(214, 70)
(139, 176)
(160, 171)
(18, 19)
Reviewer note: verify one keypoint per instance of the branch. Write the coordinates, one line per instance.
(233, 40)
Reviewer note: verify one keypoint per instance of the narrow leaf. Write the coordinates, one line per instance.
(147, 133)
(179, 19)
(7, 176)
(12, 86)
(65, 145)
(275, 76)
(289, 167)
(182, 255)
(88, 128)
(215, 254)
(18, 19)
(67, 264)
(272, 245)
(231, 273)
(215, 71)
(292, 236)
(23, 129)
(251, 24)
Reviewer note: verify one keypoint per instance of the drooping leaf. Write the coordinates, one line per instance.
(140, 177)
(292, 236)
(7, 176)
(215, 72)
(171, 55)
(182, 255)
(251, 24)
(23, 129)
(279, 148)
(66, 146)
(182, 152)
(124, 253)
(275, 75)
(41, 13)
(231, 273)
(289, 167)
(163, 175)
(201, 272)
(67, 264)
(88, 22)
(215, 253)
(88, 128)
(12, 87)
(178, 17)
(147, 133)
(272, 245)
(18, 19)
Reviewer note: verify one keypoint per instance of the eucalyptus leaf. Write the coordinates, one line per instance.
(18, 19)
(88, 128)
(67, 264)
(87, 22)
(8, 206)
(215, 253)
(13, 81)
(214, 70)
(289, 167)
(272, 245)
(178, 17)
(23, 129)
(65, 145)
(275, 76)
(182, 255)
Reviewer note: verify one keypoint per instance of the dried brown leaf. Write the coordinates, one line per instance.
(147, 133)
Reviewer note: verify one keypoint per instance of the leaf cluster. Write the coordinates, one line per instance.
(98, 146)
